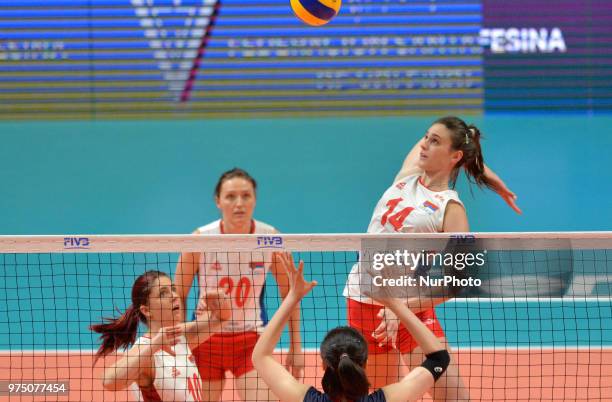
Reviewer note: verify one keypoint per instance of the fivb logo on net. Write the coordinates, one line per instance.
(269, 242)
(175, 47)
(76, 243)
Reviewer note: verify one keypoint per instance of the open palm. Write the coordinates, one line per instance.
(298, 286)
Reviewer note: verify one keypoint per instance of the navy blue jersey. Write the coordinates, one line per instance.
(314, 395)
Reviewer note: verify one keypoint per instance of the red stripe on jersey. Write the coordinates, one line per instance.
(422, 183)
(150, 394)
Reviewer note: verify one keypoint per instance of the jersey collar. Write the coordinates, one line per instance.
(222, 229)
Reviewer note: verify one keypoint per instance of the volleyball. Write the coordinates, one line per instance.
(316, 12)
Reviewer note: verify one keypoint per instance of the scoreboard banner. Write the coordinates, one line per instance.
(111, 59)
(547, 55)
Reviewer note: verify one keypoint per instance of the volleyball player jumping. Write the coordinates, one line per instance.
(421, 199)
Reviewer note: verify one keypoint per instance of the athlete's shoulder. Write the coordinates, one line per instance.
(210, 228)
(262, 227)
(452, 195)
(314, 395)
(406, 184)
(376, 396)
(409, 178)
(413, 171)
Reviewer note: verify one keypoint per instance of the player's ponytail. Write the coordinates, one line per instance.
(344, 352)
(466, 139)
(353, 378)
(117, 333)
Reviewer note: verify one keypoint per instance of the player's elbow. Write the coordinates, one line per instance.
(258, 358)
(110, 382)
(110, 385)
(437, 363)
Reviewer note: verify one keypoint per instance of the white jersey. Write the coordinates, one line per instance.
(176, 375)
(406, 207)
(241, 274)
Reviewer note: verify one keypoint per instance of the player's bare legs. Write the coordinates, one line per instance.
(252, 388)
(211, 390)
(450, 387)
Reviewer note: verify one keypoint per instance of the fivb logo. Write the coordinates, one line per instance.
(269, 242)
(462, 239)
(76, 243)
(175, 46)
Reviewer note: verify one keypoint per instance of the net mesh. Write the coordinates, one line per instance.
(538, 327)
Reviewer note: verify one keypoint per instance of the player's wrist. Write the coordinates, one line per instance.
(210, 317)
(293, 297)
(155, 346)
(295, 347)
(392, 306)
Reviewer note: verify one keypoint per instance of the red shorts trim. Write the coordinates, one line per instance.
(223, 352)
(362, 317)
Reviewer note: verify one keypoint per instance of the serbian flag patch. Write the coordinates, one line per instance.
(431, 206)
(256, 265)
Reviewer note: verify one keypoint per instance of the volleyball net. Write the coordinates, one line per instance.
(528, 315)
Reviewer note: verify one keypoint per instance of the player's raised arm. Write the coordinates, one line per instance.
(295, 357)
(138, 361)
(420, 379)
(498, 185)
(482, 173)
(217, 310)
(410, 167)
(186, 269)
(280, 381)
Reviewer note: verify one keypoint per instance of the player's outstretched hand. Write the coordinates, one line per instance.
(167, 337)
(500, 188)
(298, 286)
(509, 197)
(219, 304)
(387, 329)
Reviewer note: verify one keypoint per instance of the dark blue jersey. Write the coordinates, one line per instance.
(314, 395)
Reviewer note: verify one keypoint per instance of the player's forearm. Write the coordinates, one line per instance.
(271, 335)
(185, 271)
(420, 304)
(412, 156)
(200, 329)
(409, 162)
(127, 369)
(496, 182)
(295, 335)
